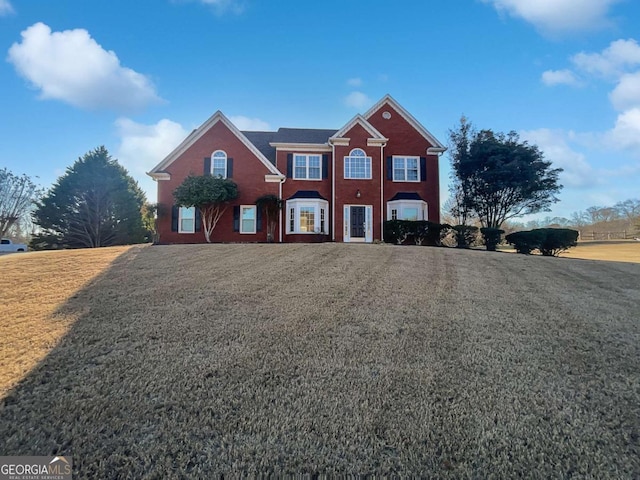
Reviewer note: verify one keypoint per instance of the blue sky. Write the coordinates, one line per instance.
(137, 76)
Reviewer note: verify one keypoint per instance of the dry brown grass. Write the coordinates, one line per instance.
(612, 251)
(196, 360)
(35, 285)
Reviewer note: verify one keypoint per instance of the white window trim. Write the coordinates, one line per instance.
(306, 155)
(400, 205)
(393, 168)
(226, 160)
(358, 157)
(180, 230)
(299, 203)
(255, 219)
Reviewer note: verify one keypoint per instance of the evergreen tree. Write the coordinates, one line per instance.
(94, 204)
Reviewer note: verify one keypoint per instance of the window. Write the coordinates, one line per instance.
(187, 220)
(307, 167)
(357, 165)
(307, 219)
(406, 169)
(219, 164)
(407, 210)
(307, 216)
(248, 219)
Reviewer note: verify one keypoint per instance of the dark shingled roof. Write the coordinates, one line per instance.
(303, 135)
(261, 140)
(306, 194)
(406, 196)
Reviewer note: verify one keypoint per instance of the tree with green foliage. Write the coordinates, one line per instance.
(270, 205)
(497, 176)
(96, 203)
(210, 195)
(149, 213)
(18, 194)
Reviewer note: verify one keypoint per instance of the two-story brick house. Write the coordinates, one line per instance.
(339, 185)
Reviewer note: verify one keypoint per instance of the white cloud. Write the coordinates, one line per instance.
(357, 100)
(354, 82)
(142, 147)
(556, 149)
(613, 61)
(72, 67)
(5, 7)
(560, 77)
(557, 16)
(250, 124)
(625, 135)
(627, 92)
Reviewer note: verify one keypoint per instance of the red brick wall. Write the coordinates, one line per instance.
(292, 185)
(248, 173)
(405, 140)
(346, 188)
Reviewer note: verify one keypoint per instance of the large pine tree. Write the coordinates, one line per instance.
(94, 204)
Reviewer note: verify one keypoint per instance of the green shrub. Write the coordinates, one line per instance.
(421, 232)
(557, 240)
(466, 235)
(491, 237)
(548, 241)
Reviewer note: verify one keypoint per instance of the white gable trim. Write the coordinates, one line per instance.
(358, 119)
(198, 133)
(388, 99)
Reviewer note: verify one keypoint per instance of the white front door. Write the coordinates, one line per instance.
(358, 226)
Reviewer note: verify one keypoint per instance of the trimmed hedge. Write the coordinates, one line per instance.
(550, 242)
(421, 232)
(491, 237)
(466, 235)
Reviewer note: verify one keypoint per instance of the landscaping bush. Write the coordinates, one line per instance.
(491, 237)
(548, 241)
(422, 232)
(465, 235)
(396, 231)
(557, 240)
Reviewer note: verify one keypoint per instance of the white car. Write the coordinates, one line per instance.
(7, 245)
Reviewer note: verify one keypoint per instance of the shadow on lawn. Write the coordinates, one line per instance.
(71, 403)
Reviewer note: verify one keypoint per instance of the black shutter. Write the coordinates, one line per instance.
(198, 220)
(207, 165)
(174, 218)
(258, 219)
(229, 167)
(389, 168)
(290, 165)
(423, 169)
(325, 166)
(236, 218)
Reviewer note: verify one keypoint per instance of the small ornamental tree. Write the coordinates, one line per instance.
(150, 220)
(270, 205)
(210, 195)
